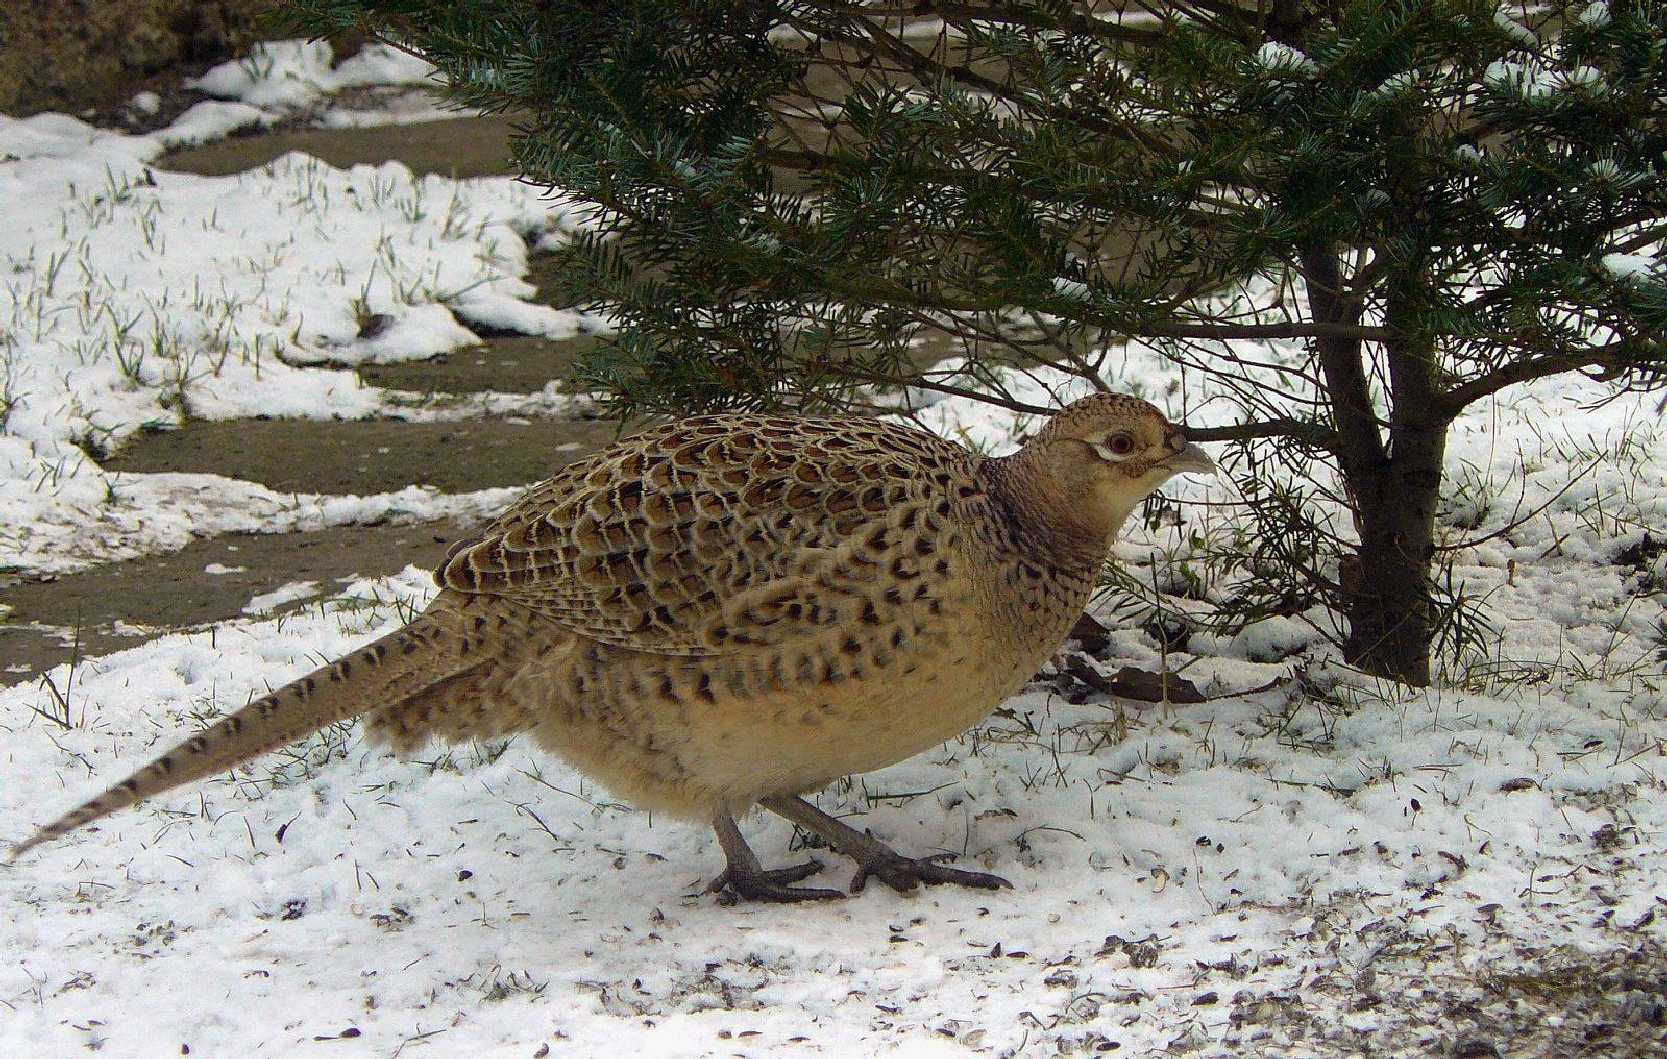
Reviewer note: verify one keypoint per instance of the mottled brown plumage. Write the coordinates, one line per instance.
(736, 610)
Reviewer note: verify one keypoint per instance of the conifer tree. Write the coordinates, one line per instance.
(1434, 200)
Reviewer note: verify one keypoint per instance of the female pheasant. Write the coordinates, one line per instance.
(735, 610)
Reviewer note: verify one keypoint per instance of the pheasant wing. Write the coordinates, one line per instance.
(723, 531)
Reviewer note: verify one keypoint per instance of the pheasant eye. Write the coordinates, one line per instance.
(1120, 444)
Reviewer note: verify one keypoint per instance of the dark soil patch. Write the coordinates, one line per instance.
(457, 147)
(362, 458)
(172, 591)
(97, 53)
(172, 100)
(1640, 554)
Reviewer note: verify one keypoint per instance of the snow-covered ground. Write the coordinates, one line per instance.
(131, 296)
(1309, 863)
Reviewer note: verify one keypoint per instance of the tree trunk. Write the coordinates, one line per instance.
(1391, 609)
(1386, 588)
(1386, 585)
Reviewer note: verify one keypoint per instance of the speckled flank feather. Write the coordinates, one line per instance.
(738, 607)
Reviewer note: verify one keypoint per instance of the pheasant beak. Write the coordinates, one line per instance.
(1191, 459)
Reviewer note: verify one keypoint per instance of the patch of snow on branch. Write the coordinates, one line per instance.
(1075, 290)
(1633, 268)
(1529, 80)
(1595, 16)
(1285, 59)
(1519, 33)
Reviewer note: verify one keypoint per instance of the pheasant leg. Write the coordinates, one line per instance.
(875, 858)
(745, 878)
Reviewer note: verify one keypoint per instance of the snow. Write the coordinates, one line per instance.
(1253, 847)
(290, 593)
(1285, 59)
(1529, 80)
(140, 296)
(499, 310)
(1533, 79)
(1520, 34)
(1588, 77)
(1309, 863)
(1595, 16)
(1270, 848)
(402, 108)
(122, 515)
(401, 332)
(290, 75)
(1632, 268)
(1072, 289)
(298, 80)
(1400, 83)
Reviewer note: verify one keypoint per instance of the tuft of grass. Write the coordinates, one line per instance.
(9, 397)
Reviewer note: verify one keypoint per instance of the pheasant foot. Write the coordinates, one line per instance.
(744, 878)
(903, 874)
(874, 858)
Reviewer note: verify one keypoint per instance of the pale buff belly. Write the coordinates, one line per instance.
(895, 715)
(687, 736)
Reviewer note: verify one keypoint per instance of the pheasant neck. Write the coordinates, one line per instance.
(1045, 521)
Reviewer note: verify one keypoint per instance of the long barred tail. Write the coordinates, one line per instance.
(393, 668)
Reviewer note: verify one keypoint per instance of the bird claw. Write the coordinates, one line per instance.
(904, 874)
(769, 885)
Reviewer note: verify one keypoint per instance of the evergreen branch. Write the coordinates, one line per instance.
(1611, 358)
(1359, 443)
(1230, 332)
(984, 396)
(1317, 434)
(878, 290)
(807, 161)
(968, 330)
(1103, 198)
(1640, 240)
(1221, 15)
(877, 42)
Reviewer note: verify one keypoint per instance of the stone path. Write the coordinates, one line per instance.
(118, 605)
(365, 458)
(458, 147)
